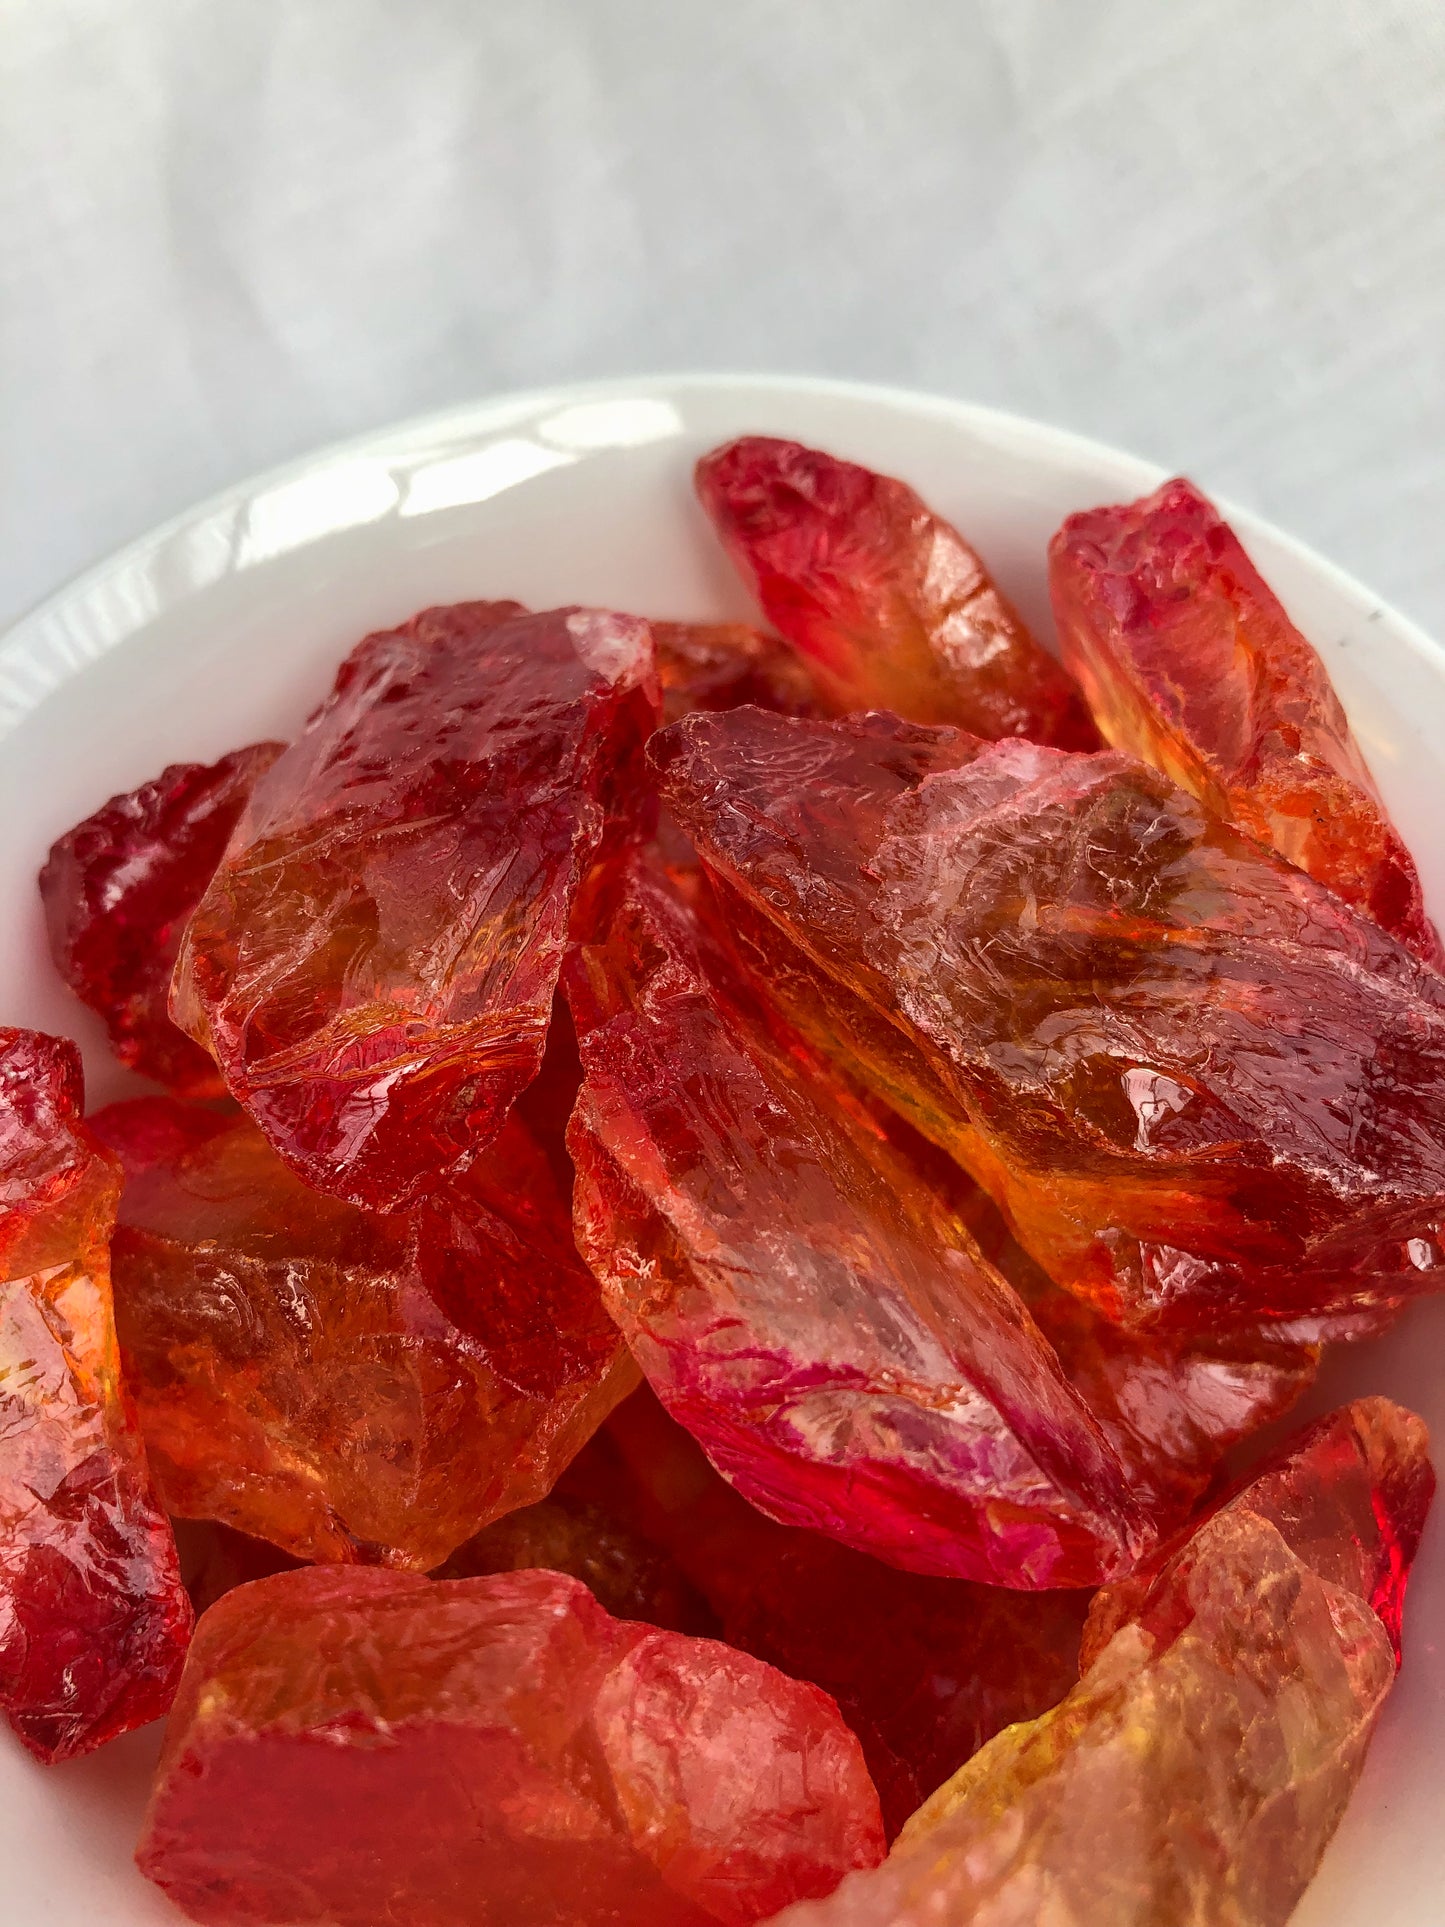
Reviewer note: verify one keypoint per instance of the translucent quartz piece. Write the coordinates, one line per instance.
(719, 665)
(1195, 1775)
(1189, 660)
(373, 964)
(1204, 1091)
(800, 1299)
(624, 1571)
(885, 600)
(350, 1747)
(93, 1617)
(924, 1670)
(118, 890)
(348, 1385)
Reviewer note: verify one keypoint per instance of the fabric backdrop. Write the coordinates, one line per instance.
(1212, 231)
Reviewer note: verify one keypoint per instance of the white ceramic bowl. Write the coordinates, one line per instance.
(226, 625)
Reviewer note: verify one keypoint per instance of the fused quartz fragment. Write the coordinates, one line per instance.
(801, 1300)
(93, 1617)
(118, 890)
(1189, 660)
(347, 1384)
(355, 1746)
(1204, 1091)
(373, 964)
(923, 1669)
(720, 665)
(885, 600)
(1194, 1776)
(623, 1570)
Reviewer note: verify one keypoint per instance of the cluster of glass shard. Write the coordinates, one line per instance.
(971, 1134)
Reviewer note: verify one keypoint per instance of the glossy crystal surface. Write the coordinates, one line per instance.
(499, 1752)
(1204, 1091)
(373, 964)
(1190, 661)
(349, 1385)
(118, 890)
(799, 1297)
(93, 1618)
(887, 603)
(1195, 1775)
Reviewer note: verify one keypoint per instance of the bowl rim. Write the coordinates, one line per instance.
(497, 411)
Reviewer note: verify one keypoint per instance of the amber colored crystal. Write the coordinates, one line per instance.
(800, 1299)
(924, 1670)
(1204, 1091)
(720, 665)
(373, 964)
(118, 890)
(93, 1617)
(1190, 661)
(1194, 1776)
(347, 1384)
(887, 603)
(351, 1747)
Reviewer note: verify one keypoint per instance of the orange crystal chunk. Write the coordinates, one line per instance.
(93, 1618)
(350, 1747)
(347, 1384)
(886, 602)
(802, 1301)
(373, 964)
(1203, 1090)
(1194, 1776)
(1189, 660)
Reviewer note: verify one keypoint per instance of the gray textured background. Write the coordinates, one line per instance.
(1212, 231)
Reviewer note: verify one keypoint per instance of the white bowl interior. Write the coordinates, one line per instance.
(226, 625)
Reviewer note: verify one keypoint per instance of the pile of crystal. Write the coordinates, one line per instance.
(723, 1199)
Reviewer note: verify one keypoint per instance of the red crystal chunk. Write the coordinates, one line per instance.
(885, 600)
(1196, 1773)
(373, 964)
(359, 1746)
(802, 1301)
(1204, 1091)
(1189, 661)
(347, 1384)
(118, 890)
(93, 1617)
